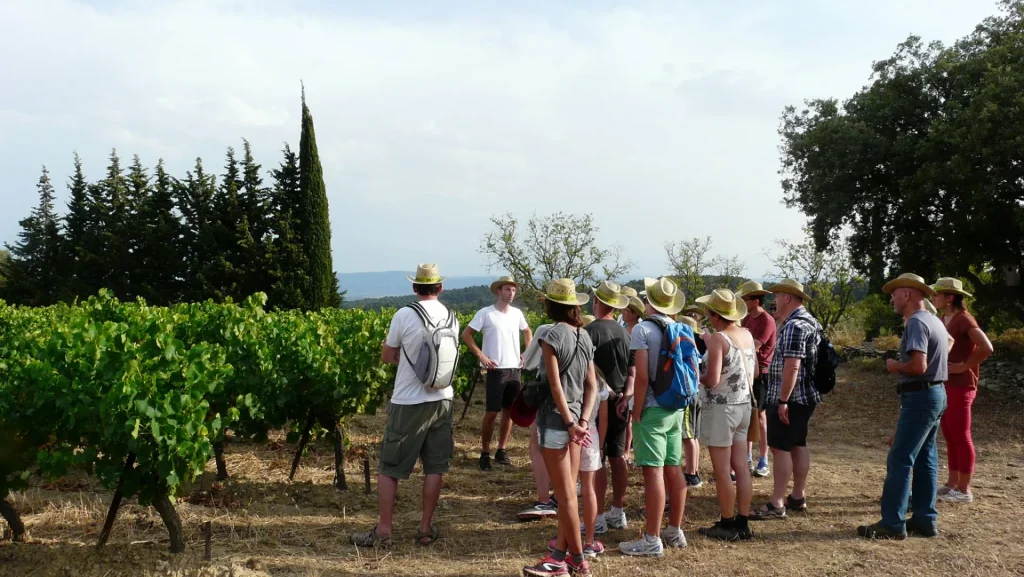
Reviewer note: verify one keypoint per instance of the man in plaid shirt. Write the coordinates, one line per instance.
(791, 398)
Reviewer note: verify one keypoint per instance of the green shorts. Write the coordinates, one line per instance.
(422, 431)
(658, 438)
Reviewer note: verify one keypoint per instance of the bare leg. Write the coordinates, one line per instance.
(721, 459)
(506, 428)
(620, 480)
(783, 471)
(487, 431)
(762, 442)
(676, 486)
(654, 499)
(801, 466)
(691, 447)
(601, 487)
(540, 472)
(431, 494)
(963, 482)
(387, 488)
(744, 484)
(564, 466)
(590, 504)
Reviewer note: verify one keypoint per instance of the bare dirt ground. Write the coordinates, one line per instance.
(265, 525)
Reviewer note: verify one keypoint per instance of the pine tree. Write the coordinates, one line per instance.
(254, 236)
(77, 237)
(108, 251)
(287, 266)
(159, 262)
(131, 233)
(315, 224)
(32, 272)
(226, 272)
(194, 199)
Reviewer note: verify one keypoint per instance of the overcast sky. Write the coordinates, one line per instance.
(659, 118)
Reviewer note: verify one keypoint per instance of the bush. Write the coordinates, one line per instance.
(847, 332)
(887, 343)
(877, 317)
(1010, 344)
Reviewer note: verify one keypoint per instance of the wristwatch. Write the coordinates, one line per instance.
(569, 425)
(781, 402)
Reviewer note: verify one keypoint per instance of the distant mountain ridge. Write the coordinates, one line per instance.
(364, 285)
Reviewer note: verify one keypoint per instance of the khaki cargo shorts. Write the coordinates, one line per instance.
(423, 432)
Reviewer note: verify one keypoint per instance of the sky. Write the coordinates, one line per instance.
(659, 118)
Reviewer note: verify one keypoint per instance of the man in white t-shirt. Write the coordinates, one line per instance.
(419, 419)
(501, 325)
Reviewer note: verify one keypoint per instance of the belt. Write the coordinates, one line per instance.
(915, 386)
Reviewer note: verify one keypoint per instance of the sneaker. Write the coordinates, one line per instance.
(693, 481)
(717, 531)
(581, 570)
(879, 531)
(643, 547)
(673, 537)
(955, 496)
(538, 511)
(600, 526)
(745, 534)
(547, 567)
(921, 530)
(485, 461)
(762, 469)
(616, 521)
(943, 490)
(501, 458)
(592, 550)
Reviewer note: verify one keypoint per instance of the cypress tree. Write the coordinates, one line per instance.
(32, 271)
(109, 249)
(76, 236)
(315, 224)
(287, 265)
(194, 200)
(131, 233)
(158, 259)
(225, 273)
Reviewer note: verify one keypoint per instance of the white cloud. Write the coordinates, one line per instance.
(656, 112)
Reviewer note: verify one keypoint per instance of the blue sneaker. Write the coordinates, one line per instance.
(762, 469)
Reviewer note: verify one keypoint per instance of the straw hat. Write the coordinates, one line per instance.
(563, 292)
(587, 319)
(502, 281)
(695, 310)
(790, 287)
(636, 305)
(725, 304)
(751, 288)
(611, 294)
(908, 280)
(692, 324)
(928, 306)
(664, 296)
(628, 291)
(950, 285)
(426, 274)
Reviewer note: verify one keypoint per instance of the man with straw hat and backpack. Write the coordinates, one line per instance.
(501, 325)
(423, 342)
(922, 371)
(657, 430)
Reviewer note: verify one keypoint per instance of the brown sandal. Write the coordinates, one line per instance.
(427, 539)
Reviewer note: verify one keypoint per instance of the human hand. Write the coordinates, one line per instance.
(578, 434)
(622, 405)
(892, 365)
(957, 368)
(487, 362)
(784, 414)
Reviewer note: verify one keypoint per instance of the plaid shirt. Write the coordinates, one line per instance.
(798, 338)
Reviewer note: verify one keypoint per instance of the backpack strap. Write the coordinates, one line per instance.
(427, 323)
(658, 321)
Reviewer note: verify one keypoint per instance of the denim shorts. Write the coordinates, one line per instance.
(552, 438)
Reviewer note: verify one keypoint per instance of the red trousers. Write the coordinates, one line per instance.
(956, 428)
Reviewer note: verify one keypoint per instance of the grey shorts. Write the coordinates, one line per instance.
(423, 432)
(723, 425)
(552, 438)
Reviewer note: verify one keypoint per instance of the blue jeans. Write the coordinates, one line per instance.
(914, 450)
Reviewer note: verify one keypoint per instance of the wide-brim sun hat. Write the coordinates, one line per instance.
(692, 324)
(664, 295)
(629, 291)
(502, 281)
(751, 288)
(587, 319)
(637, 306)
(695, 309)
(790, 287)
(928, 306)
(725, 304)
(563, 292)
(426, 273)
(950, 285)
(911, 281)
(611, 294)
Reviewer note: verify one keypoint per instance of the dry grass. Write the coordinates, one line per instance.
(887, 343)
(265, 525)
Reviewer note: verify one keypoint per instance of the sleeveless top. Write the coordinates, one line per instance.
(737, 377)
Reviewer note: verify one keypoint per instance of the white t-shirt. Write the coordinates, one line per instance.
(501, 334)
(406, 333)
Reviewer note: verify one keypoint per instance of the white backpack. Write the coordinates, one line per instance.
(439, 354)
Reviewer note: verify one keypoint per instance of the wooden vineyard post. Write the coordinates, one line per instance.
(115, 502)
(302, 445)
(208, 536)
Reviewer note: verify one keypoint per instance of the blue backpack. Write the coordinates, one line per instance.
(676, 380)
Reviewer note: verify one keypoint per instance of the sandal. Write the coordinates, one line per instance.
(797, 505)
(427, 539)
(371, 539)
(768, 511)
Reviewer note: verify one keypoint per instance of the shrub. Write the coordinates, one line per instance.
(886, 343)
(1010, 344)
(877, 317)
(847, 332)
(867, 365)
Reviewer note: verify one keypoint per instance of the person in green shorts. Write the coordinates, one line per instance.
(657, 432)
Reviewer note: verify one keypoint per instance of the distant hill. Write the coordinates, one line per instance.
(364, 285)
(468, 300)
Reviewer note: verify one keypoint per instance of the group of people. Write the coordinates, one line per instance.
(596, 375)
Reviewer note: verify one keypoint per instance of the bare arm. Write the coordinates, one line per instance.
(590, 394)
(555, 383)
(389, 355)
(640, 383)
(915, 367)
(470, 342)
(790, 372)
(527, 337)
(713, 374)
(982, 350)
(602, 422)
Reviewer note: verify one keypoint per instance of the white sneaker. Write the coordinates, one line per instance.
(645, 546)
(600, 526)
(579, 488)
(673, 537)
(955, 496)
(616, 522)
(943, 490)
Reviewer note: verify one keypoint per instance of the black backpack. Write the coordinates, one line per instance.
(825, 367)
